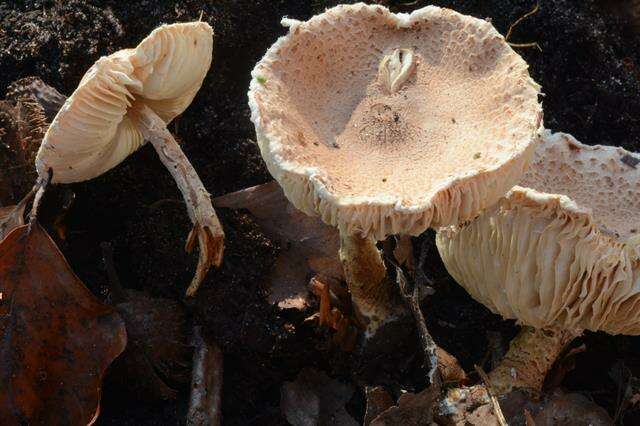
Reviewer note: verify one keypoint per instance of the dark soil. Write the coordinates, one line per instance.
(589, 68)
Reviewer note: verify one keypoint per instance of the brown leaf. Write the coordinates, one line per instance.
(378, 400)
(528, 418)
(412, 410)
(10, 218)
(309, 246)
(449, 367)
(35, 90)
(25, 114)
(57, 339)
(565, 409)
(403, 252)
(17, 153)
(13, 216)
(314, 399)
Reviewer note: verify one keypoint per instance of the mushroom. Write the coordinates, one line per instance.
(387, 124)
(126, 98)
(560, 253)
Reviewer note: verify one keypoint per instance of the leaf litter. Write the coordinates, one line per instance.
(56, 338)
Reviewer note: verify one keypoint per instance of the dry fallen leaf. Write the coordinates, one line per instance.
(25, 115)
(10, 218)
(309, 246)
(412, 410)
(33, 89)
(449, 367)
(565, 409)
(378, 400)
(314, 399)
(56, 338)
(13, 216)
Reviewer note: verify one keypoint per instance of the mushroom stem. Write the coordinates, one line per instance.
(371, 292)
(206, 226)
(530, 356)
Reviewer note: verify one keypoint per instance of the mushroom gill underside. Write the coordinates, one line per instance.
(127, 98)
(545, 268)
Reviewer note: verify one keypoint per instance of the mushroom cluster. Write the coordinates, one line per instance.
(128, 98)
(560, 254)
(387, 124)
(383, 124)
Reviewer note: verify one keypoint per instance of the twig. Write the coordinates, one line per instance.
(494, 401)
(533, 44)
(516, 23)
(520, 19)
(412, 298)
(206, 383)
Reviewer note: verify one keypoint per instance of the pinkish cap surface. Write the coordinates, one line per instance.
(389, 124)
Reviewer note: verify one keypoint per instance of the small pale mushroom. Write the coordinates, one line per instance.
(128, 98)
(386, 124)
(560, 254)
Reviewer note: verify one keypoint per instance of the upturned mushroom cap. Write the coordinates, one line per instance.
(388, 124)
(95, 129)
(562, 251)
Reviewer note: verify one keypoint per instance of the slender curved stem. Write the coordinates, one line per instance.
(530, 356)
(206, 226)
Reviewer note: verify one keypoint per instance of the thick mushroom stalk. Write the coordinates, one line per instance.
(371, 291)
(206, 226)
(529, 358)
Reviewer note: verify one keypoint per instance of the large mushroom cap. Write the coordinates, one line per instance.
(385, 124)
(95, 130)
(564, 251)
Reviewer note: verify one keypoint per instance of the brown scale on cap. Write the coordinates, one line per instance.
(603, 179)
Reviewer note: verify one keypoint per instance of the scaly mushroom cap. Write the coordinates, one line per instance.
(388, 124)
(95, 129)
(562, 251)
